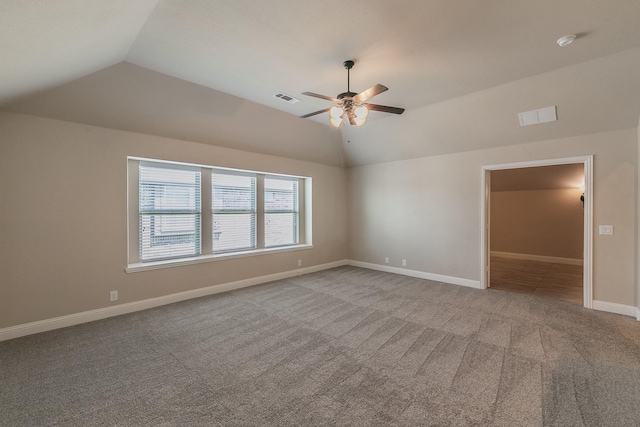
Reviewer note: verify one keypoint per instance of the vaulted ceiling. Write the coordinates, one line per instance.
(207, 71)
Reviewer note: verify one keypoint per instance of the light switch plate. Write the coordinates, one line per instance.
(606, 229)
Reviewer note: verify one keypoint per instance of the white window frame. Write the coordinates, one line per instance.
(169, 212)
(134, 263)
(253, 210)
(295, 211)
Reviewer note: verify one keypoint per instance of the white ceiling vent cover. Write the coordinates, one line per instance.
(541, 115)
(286, 98)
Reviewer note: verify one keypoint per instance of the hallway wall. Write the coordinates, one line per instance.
(538, 222)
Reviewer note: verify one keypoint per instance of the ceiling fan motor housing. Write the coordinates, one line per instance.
(346, 95)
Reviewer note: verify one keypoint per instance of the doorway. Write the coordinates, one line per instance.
(546, 261)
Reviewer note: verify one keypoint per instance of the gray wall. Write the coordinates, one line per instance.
(427, 210)
(63, 210)
(538, 222)
(63, 213)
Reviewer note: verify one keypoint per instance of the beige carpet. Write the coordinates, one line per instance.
(346, 346)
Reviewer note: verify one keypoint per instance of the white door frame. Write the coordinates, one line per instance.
(587, 268)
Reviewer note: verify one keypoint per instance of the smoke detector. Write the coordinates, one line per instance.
(565, 41)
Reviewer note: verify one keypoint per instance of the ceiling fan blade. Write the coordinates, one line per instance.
(369, 93)
(315, 95)
(314, 113)
(385, 109)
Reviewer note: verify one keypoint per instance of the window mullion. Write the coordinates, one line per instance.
(132, 209)
(260, 211)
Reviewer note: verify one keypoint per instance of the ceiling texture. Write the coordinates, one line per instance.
(202, 70)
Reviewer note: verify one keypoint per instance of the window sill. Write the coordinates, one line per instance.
(155, 265)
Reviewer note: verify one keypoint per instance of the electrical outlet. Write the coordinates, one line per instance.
(113, 296)
(404, 262)
(386, 260)
(299, 263)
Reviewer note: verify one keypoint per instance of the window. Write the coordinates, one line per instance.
(191, 213)
(234, 212)
(169, 213)
(280, 211)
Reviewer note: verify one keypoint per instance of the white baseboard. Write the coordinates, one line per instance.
(117, 310)
(612, 307)
(419, 274)
(540, 258)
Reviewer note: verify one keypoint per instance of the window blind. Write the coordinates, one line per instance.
(280, 211)
(169, 213)
(233, 211)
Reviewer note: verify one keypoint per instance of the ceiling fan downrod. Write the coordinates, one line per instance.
(348, 65)
(348, 94)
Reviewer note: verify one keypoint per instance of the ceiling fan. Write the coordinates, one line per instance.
(351, 107)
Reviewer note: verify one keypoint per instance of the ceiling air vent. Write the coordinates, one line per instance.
(541, 115)
(286, 98)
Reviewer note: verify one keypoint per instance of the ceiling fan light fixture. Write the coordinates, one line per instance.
(336, 112)
(362, 112)
(350, 106)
